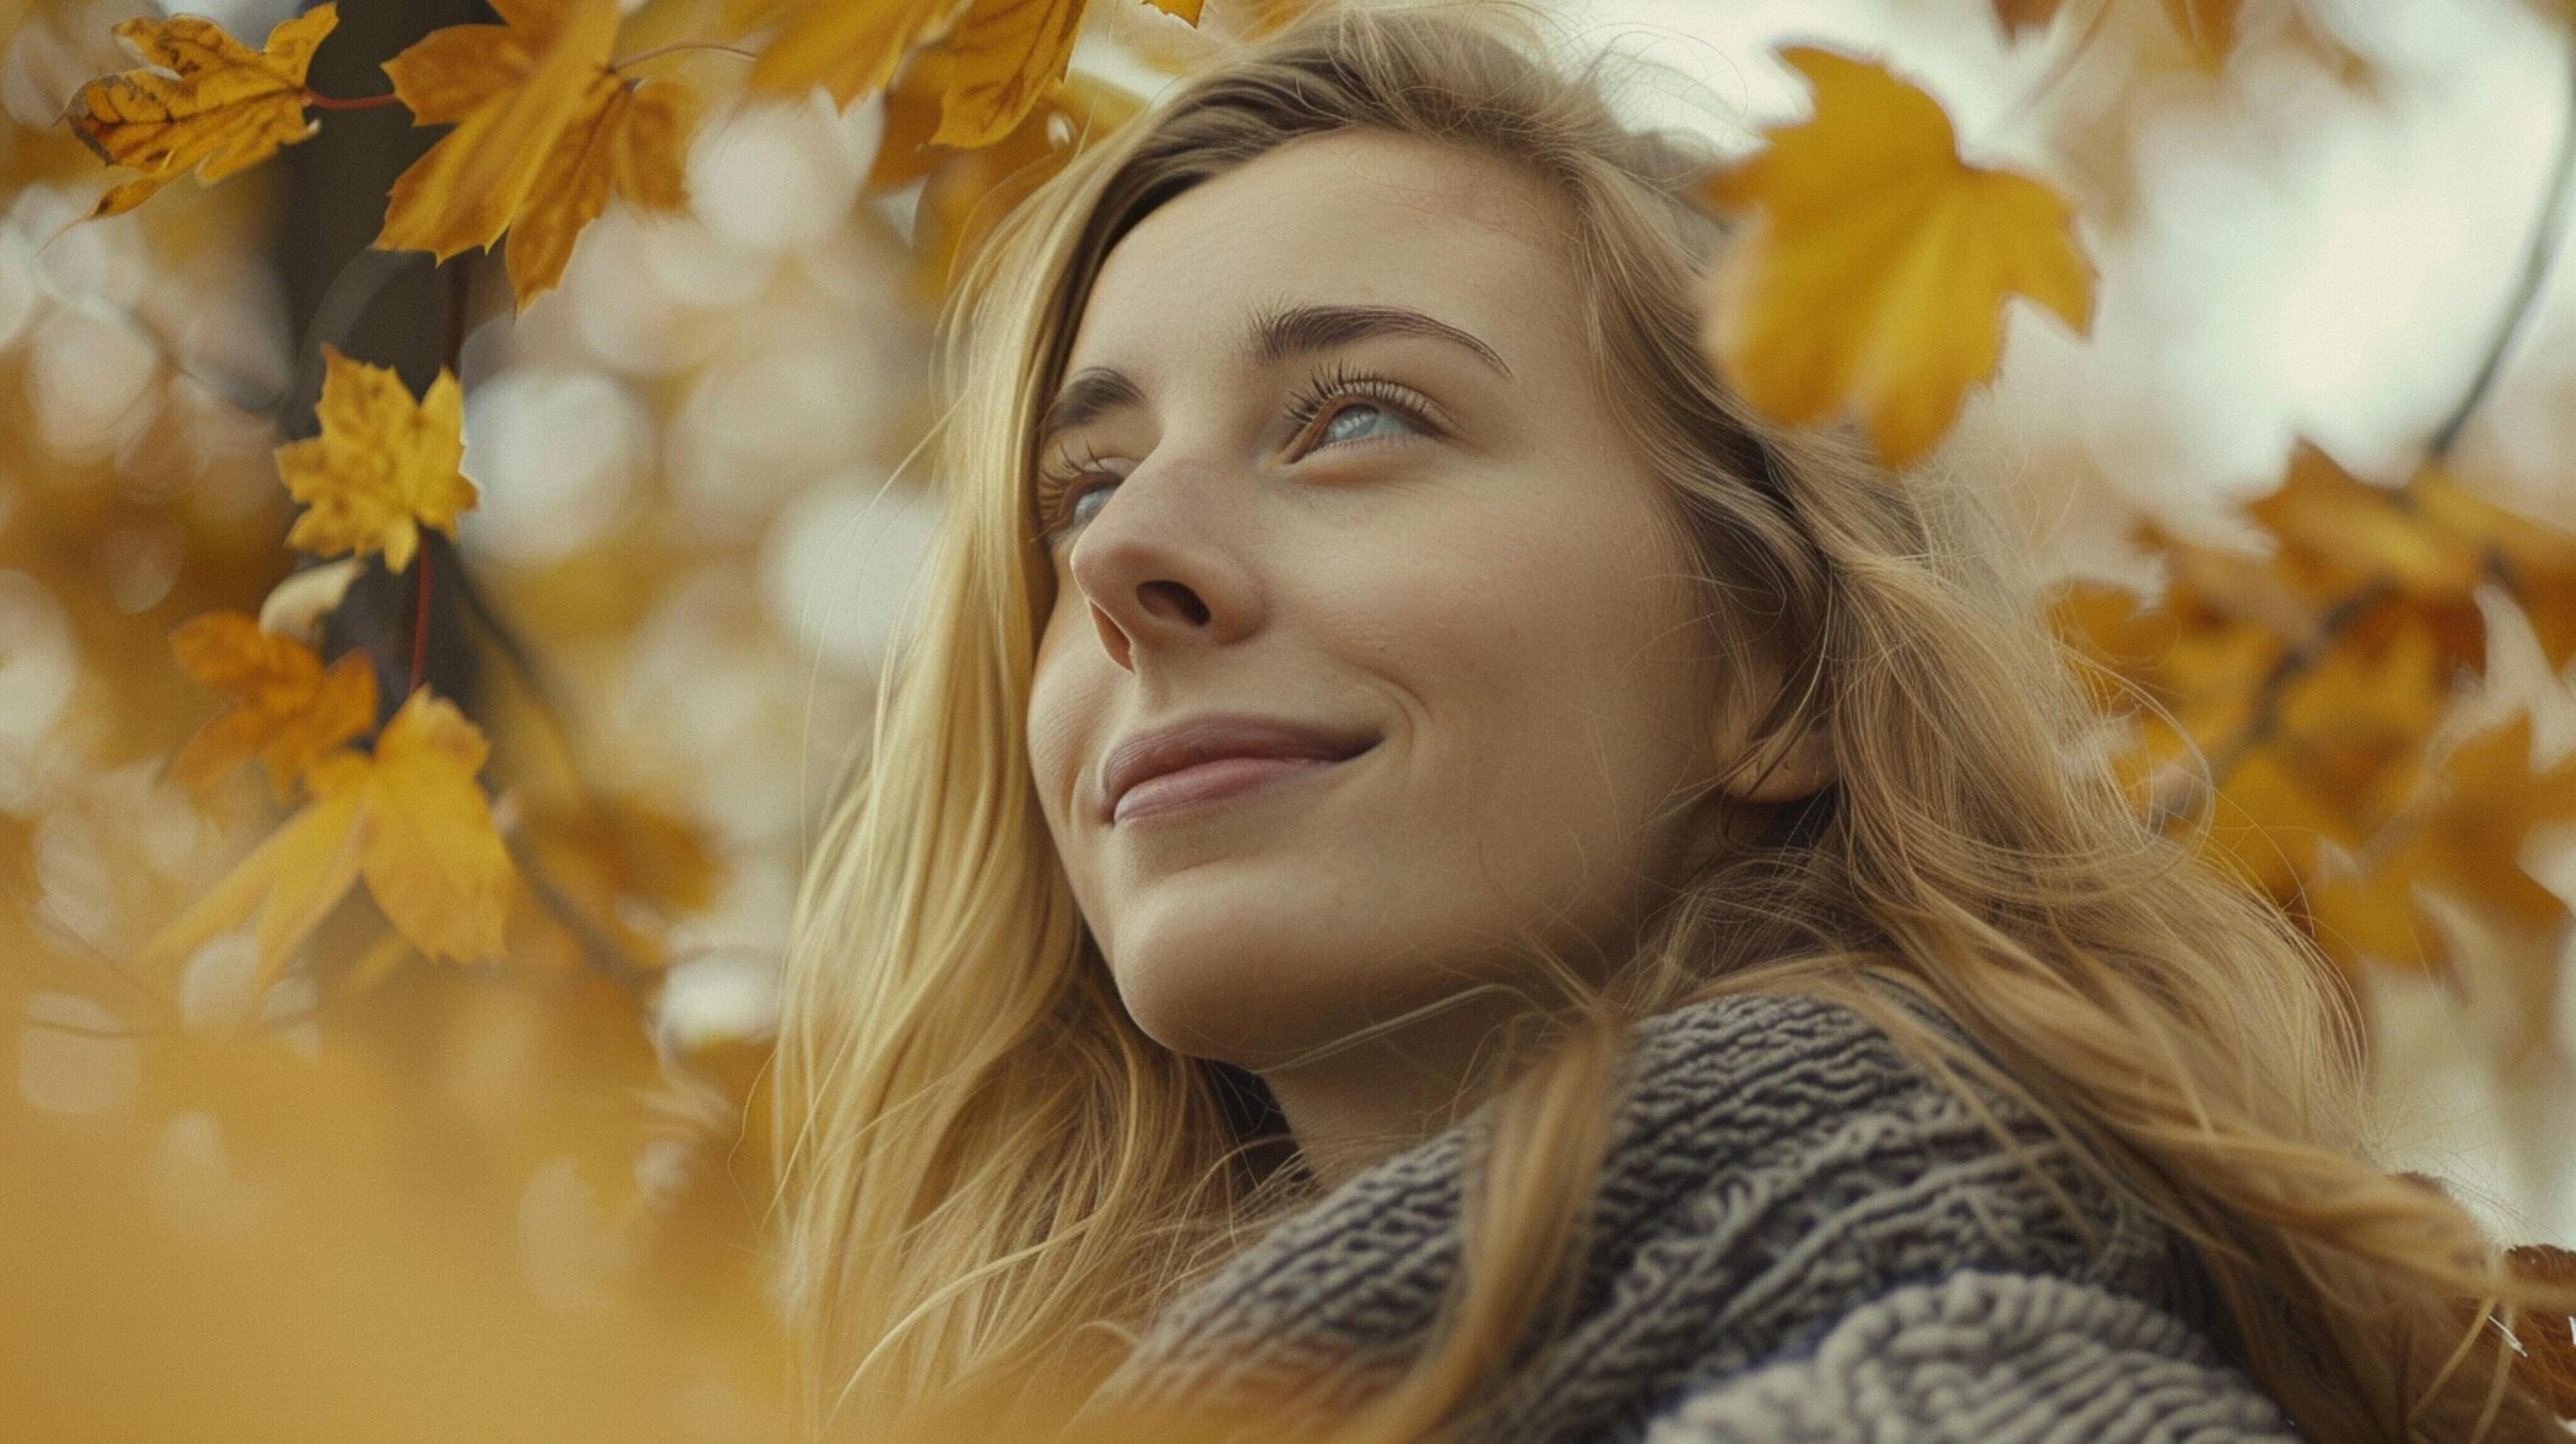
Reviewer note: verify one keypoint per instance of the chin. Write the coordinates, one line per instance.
(1244, 988)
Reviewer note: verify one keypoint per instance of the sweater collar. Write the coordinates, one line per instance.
(1775, 1161)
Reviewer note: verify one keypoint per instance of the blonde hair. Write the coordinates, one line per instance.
(989, 1174)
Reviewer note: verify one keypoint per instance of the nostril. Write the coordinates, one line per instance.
(1168, 597)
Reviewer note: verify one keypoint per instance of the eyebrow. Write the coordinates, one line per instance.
(1275, 335)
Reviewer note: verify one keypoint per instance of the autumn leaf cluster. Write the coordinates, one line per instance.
(2322, 703)
(545, 120)
(406, 813)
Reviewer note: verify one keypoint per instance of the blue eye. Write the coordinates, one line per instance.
(1372, 398)
(1062, 493)
(1074, 515)
(1334, 430)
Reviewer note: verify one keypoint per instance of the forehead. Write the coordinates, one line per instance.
(1356, 217)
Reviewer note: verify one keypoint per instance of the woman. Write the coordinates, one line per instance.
(1428, 873)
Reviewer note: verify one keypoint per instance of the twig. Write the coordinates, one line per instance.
(595, 945)
(419, 620)
(542, 689)
(2294, 664)
(363, 102)
(2546, 233)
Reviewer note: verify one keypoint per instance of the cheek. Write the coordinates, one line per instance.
(1562, 697)
(1067, 691)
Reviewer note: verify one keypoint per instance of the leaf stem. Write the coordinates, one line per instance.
(596, 945)
(363, 102)
(2547, 231)
(544, 695)
(678, 46)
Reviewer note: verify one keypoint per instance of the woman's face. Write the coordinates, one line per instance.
(1337, 466)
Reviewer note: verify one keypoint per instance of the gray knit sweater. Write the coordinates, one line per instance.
(1799, 1236)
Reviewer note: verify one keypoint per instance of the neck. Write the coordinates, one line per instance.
(1376, 1098)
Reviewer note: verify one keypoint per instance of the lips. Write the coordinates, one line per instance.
(1222, 752)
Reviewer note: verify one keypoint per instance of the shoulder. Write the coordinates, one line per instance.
(1858, 1130)
(1983, 1357)
(1788, 1117)
(1883, 1246)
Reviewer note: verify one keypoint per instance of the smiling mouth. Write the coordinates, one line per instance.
(1194, 787)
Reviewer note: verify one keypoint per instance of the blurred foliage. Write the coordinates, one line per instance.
(553, 653)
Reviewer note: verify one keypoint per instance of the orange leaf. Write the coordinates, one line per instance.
(219, 108)
(849, 49)
(287, 710)
(383, 467)
(409, 818)
(1875, 275)
(516, 93)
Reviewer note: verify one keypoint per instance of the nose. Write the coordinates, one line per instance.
(1162, 568)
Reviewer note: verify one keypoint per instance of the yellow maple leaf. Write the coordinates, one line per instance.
(2463, 840)
(285, 888)
(383, 467)
(631, 139)
(1005, 54)
(287, 710)
(998, 58)
(849, 50)
(2338, 532)
(220, 108)
(434, 861)
(1876, 268)
(409, 818)
(2494, 792)
(2355, 916)
(965, 191)
(545, 129)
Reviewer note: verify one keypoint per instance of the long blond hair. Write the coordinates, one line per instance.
(989, 1173)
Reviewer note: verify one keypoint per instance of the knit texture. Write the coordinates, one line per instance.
(1800, 1235)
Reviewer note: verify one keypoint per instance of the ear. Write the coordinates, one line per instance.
(1781, 768)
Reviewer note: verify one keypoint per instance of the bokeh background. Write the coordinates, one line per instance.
(392, 1198)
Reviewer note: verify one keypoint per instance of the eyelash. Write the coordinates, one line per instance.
(1056, 485)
